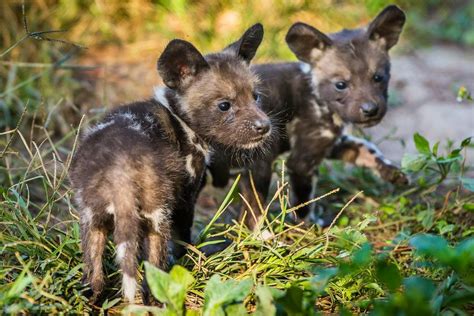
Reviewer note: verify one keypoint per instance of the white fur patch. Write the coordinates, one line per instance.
(266, 235)
(87, 215)
(337, 119)
(189, 166)
(149, 118)
(326, 133)
(136, 126)
(160, 96)
(110, 209)
(127, 115)
(305, 68)
(98, 127)
(157, 217)
(316, 109)
(129, 287)
(121, 251)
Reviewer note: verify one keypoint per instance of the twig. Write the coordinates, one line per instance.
(337, 217)
(15, 130)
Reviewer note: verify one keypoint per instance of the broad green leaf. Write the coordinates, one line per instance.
(321, 279)
(363, 256)
(433, 246)
(422, 144)
(220, 293)
(426, 218)
(236, 309)
(265, 305)
(468, 183)
(465, 254)
(158, 281)
(387, 273)
(169, 288)
(292, 301)
(413, 163)
(419, 289)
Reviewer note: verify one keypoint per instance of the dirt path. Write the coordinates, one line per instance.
(425, 84)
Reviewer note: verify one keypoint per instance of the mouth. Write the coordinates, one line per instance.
(254, 142)
(369, 122)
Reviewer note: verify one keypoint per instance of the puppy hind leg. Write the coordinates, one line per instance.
(126, 236)
(155, 251)
(93, 244)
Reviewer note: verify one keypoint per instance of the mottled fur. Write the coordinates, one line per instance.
(310, 111)
(138, 172)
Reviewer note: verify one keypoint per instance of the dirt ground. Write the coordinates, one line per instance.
(424, 84)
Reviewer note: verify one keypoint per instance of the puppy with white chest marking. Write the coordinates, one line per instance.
(137, 173)
(342, 79)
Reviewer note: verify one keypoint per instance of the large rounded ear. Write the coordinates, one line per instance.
(387, 26)
(179, 63)
(247, 45)
(306, 42)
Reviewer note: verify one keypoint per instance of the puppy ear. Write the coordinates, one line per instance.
(179, 63)
(387, 26)
(306, 42)
(247, 45)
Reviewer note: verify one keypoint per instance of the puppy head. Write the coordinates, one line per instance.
(218, 92)
(351, 69)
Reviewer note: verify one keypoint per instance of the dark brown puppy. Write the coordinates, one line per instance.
(343, 79)
(138, 172)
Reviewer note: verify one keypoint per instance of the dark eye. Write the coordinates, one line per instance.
(341, 85)
(256, 96)
(224, 106)
(378, 78)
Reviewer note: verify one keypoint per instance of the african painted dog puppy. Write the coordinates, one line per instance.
(138, 172)
(343, 78)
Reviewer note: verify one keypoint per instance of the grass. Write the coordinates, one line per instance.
(380, 256)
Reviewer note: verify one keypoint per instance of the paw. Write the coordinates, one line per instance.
(394, 175)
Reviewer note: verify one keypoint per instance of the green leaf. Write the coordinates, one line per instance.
(108, 304)
(426, 218)
(387, 273)
(422, 144)
(169, 288)
(468, 207)
(158, 281)
(468, 183)
(362, 257)
(419, 289)
(465, 254)
(466, 142)
(433, 246)
(294, 302)
(218, 294)
(265, 305)
(321, 279)
(20, 284)
(413, 163)
(435, 149)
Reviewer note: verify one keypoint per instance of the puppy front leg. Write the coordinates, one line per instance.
(301, 171)
(365, 154)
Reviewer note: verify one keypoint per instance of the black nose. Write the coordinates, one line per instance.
(261, 126)
(369, 109)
